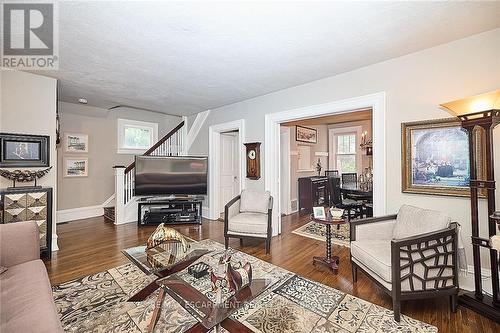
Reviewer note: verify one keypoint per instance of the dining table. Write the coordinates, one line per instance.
(358, 190)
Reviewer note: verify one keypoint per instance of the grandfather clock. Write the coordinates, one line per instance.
(253, 160)
(481, 112)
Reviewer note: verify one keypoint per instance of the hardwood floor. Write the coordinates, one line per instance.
(93, 245)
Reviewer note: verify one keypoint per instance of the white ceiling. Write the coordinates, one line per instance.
(184, 57)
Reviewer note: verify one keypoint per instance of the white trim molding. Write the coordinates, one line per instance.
(214, 133)
(72, 214)
(123, 123)
(195, 129)
(377, 102)
(54, 246)
(321, 153)
(66, 215)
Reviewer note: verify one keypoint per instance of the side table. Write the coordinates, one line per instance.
(331, 261)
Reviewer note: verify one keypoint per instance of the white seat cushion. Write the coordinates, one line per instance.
(414, 221)
(248, 223)
(254, 201)
(374, 254)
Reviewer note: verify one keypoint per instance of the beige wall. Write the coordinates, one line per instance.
(320, 146)
(414, 84)
(101, 127)
(28, 106)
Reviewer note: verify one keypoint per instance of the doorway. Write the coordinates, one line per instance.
(272, 152)
(216, 133)
(229, 185)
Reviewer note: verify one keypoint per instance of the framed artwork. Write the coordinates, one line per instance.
(306, 134)
(319, 212)
(76, 143)
(24, 150)
(435, 158)
(76, 167)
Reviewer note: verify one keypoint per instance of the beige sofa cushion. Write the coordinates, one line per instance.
(254, 201)
(248, 223)
(374, 254)
(26, 303)
(414, 221)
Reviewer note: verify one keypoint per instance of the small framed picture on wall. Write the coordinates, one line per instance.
(76, 167)
(76, 143)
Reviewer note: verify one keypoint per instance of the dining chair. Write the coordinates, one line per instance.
(332, 173)
(349, 177)
(353, 207)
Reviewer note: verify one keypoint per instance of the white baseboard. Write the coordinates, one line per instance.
(108, 201)
(205, 212)
(66, 215)
(54, 246)
(467, 282)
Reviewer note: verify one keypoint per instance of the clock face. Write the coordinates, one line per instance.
(251, 154)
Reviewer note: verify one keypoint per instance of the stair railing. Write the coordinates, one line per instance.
(171, 144)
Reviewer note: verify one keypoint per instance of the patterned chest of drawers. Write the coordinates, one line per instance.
(21, 205)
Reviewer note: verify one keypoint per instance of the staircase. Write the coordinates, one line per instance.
(125, 209)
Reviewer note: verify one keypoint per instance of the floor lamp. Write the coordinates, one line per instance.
(482, 111)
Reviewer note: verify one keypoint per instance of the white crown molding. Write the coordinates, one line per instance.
(195, 129)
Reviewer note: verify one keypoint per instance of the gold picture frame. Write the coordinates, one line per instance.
(423, 174)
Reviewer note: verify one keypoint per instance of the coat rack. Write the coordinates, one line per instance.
(482, 111)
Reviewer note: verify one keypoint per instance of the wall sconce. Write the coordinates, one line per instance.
(475, 106)
(366, 144)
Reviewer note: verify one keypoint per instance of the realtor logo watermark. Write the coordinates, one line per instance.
(30, 35)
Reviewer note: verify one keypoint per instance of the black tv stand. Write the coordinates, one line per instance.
(168, 210)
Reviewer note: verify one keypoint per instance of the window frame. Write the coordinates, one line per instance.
(123, 124)
(334, 133)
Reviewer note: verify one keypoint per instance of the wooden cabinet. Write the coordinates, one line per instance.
(29, 204)
(313, 191)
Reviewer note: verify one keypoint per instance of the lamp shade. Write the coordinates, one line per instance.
(474, 104)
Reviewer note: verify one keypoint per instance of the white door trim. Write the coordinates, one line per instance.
(272, 152)
(214, 133)
(285, 181)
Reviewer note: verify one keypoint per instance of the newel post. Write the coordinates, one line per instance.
(119, 194)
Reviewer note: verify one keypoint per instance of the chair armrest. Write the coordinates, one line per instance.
(231, 209)
(431, 256)
(372, 228)
(19, 243)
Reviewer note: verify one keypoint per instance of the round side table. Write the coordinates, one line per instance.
(331, 261)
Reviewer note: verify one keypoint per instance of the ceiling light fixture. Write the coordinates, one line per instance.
(82, 100)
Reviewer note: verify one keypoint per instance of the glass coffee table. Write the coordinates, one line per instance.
(209, 314)
(161, 261)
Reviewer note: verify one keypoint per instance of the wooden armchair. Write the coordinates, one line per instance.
(249, 215)
(420, 266)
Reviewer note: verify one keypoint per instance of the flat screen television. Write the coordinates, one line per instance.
(170, 175)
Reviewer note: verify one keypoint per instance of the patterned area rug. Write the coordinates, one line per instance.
(317, 231)
(97, 303)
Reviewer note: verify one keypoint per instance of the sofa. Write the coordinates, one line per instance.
(26, 303)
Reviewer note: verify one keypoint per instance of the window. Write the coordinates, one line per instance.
(135, 137)
(346, 152)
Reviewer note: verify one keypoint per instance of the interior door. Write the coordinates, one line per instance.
(229, 168)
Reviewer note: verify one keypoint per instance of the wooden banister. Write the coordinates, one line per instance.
(156, 145)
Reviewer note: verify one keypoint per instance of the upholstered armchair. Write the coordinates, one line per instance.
(249, 215)
(410, 255)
